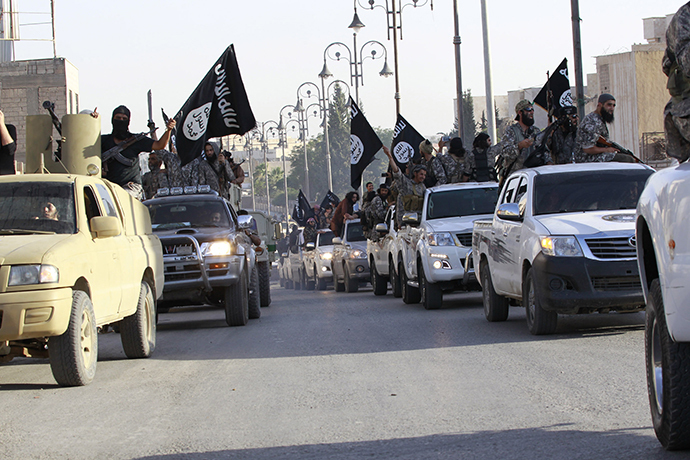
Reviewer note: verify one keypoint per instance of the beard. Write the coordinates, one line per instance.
(527, 121)
(607, 116)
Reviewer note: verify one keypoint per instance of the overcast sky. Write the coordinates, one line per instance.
(122, 49)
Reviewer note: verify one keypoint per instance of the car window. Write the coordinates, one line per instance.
(189, 213)
(325, 239)
(36, 207)
(108, 201)
(510, 189)
(461, 202)
(355, 232)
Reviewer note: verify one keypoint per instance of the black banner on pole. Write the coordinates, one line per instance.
(406, 142)
(364, 143)
(302, 210)
(559, 85)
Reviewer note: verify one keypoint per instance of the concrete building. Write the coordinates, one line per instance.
(637, 82)
(24, 85)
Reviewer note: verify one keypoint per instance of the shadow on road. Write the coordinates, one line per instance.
(544, 443)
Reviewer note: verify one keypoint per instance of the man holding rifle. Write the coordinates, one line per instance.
(123, 167)
(590, 146)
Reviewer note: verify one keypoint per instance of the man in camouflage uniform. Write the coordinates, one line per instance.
(435, 173)
(519, 141)
(454, 160)
(157, 178)
(209, 170)
(591, 128)
(479, 163)
(676, 65)
(376, 212)
(310, 231)
(563, 142)
(410, 191)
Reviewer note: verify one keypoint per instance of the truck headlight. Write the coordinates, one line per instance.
(561, 246)
(358, 254)
(21, 275)
(440, 239)
(216, 248)
(326, 256)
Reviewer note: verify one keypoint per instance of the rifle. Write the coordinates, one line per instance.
(50, 107)
(607, 143)
(115, 153)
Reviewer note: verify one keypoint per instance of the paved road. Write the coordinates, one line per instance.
(326, 375)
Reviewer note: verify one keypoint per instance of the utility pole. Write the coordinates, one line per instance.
(577, 54)
(458, 71)
(490, 110)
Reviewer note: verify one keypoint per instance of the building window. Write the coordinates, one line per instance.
(71, 102)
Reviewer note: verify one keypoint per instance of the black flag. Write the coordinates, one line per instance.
(364, 143)
(559, 85)
(406, 142)
(302, 210)
(331, 199)
(217, 107)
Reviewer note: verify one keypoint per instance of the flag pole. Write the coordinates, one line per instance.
(577, 54)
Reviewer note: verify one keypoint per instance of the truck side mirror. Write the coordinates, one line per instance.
(245, 222)
(411, 218)
(509, 211)
(337, 240)
(310, 246)
(105, 226)
(381, 228)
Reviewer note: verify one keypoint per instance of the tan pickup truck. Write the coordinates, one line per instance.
(76, 253)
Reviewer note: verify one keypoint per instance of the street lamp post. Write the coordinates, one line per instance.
(393, 24)
(282, 135)
(264, 147)
(303, 91)
(325, 102)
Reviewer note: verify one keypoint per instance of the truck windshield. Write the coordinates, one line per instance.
(462, 202)
(37, 207)
(326, 239)
(202, 213)
(593, 191)
(355, 232)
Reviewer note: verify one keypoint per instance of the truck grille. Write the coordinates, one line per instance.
(613, 248)
(616, 283)
(465, 239)
(175, 248)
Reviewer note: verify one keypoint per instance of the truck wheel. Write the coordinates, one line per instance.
(495, 306)
(73, 355)
(410, 294)
(254, 308)
(321, 283)
(138, 331)
(431, 293)
(539, 321)
(668, 384)
(298, 282)
(288, 284)
(308, 283)
(394, 280)
(265, 283)
(351, 285)
(237, 302)
(378, 282)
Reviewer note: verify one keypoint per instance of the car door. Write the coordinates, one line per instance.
(504, 250)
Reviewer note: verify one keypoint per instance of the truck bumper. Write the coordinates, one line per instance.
(34, 314)
(579, 285)
(189, 275)
(359, 269)
(447, 264)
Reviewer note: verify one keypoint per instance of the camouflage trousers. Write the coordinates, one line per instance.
(677, 130)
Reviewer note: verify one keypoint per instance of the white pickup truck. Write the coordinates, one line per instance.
(433, 250)
(562, 241)
(663, 220)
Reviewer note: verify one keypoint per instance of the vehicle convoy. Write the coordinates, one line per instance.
(76, 253)
(562, 241)
(268, 230)
(663, 219)
(381, 256)
(433, 251)
(350, 265)
(208, 258)
(316, 264)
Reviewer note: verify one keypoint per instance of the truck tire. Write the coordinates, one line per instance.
(378, 282)
(539, 321)
(308, 283)
(668, 383)
(321, 283)
(431, 293)
(394, 280)
(265, 283)
(138, 331)
(237, 302)
(495, 306)
(74, 354)
(410, 295)
(298, 282)
(337, 286)
(254, 307)
(288, 284)
(351, 285)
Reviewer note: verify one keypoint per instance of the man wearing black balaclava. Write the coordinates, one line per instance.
(123, 171)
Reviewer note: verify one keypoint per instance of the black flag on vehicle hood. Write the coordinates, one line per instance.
(559, 85)
(331, 199)
(364, 143)
(406, 142)
(302, 210)
(218, 107)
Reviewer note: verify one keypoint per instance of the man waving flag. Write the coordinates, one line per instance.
(364, 143)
